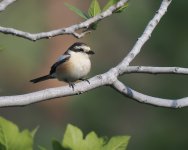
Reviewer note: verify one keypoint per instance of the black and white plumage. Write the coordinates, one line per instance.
(73, 65)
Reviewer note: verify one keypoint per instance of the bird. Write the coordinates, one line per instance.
(71, 66)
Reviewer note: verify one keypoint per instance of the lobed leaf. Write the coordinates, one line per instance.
(93, 142)
(73, 138)
(12, 139)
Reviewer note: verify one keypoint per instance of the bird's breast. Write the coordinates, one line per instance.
(77, 67)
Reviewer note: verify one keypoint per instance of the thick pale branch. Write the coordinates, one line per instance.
(51, 93)
(144, 37)
(5, 3)
(142, 98)
(81, 87)
(156, 70)
(63, 31)
(108, 78)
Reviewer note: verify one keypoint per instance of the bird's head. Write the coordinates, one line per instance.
(81, 48)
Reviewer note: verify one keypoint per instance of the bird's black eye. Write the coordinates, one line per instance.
(78, 50)
(81, 50)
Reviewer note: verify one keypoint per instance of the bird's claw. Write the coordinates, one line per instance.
(71, 85)
(85, 80)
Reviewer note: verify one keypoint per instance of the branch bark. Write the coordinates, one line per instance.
(156, 70)
(81, 87)
(5, 3)
(108, 78)
(142, 98)
(144, 37)
(64, 31)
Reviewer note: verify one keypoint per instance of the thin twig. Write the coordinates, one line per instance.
(64, 31)
(80, 35)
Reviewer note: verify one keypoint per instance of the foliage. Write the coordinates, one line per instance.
(73, 139)
(12, 139)
(95, 9)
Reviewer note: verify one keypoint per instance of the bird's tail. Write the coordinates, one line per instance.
(43, 78)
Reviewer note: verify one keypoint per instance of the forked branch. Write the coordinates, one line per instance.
(108, 78)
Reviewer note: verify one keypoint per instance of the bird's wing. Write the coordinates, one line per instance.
(60, 60)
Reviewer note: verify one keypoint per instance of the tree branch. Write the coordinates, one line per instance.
(64, 31)
(142, 98)
(5, 3)
(144, 37)
(81, 87)
(108, 78)
(156, 70)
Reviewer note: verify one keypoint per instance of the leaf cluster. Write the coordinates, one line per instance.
(74, 140)
(95, 9)
(13, 139)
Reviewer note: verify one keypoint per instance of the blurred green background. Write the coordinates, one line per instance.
(102, 110)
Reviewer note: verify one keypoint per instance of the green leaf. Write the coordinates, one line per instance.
(73, 138)
(57, 145)
(113, 2)
(93, 142)
(94, 8)
(117, 143)
(77, 11)
(12, 139)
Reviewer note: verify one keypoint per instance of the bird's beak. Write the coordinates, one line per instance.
(91, 52)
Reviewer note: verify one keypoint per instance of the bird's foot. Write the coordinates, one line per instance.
(71, 85)
(85, 80)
